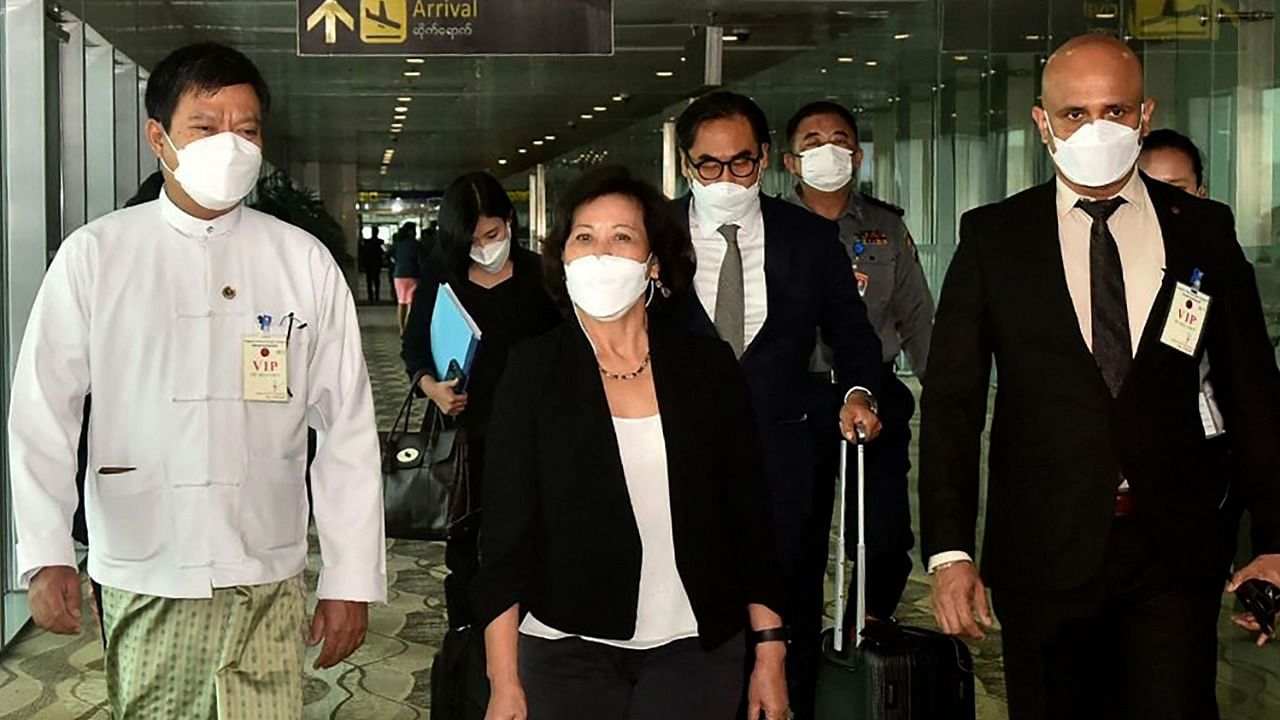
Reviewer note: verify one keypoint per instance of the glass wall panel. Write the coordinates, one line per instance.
(6, 534)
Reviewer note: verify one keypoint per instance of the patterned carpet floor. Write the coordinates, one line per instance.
(48, 677)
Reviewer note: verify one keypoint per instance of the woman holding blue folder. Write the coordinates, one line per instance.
(499, 284)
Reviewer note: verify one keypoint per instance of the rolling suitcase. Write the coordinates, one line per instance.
(892, 672)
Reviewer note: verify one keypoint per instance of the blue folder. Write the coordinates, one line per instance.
(454, 335)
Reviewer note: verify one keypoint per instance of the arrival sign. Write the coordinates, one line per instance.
(455, 27)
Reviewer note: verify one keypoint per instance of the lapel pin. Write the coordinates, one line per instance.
(1175, 210)
(228, 292)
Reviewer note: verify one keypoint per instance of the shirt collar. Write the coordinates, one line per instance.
(1134, 192)
(748, 227)
(194, 227)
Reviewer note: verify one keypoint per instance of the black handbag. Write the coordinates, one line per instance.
(459, 681)
(425, 475)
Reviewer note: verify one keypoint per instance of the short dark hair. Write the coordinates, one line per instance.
(668, 237)
(200, 68)
(466, 200)
(719, 105)
(821, 107)
(1166, 139)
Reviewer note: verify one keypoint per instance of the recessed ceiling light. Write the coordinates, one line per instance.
(398, 118)
(502, 161)
(537, 143)
(415, 61)
(871, 63)
(523, 151)
(600, 108)
(404, 99)
(396, 130)
(1106, 15)
(396, 126)
(401, 109)
(619, 98)
(664, 74)
(731, 38)
(587, 116)
(961, 58)
(550, 138)
(902, 36)
(1034, 38)
(822, 70)
(845, 59)
(412, 73)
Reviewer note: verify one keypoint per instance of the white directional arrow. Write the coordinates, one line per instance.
(331, 13)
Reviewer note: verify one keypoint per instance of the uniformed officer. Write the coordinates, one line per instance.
(825, 157)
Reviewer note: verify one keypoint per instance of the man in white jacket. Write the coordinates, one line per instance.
(211, 337)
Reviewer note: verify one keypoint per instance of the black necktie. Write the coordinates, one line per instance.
(1112, 348)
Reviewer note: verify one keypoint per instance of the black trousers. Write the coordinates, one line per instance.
(889, 536)
(373, 284)
(574, 679)
(1138, 641)
(888, 517)
(462, 550)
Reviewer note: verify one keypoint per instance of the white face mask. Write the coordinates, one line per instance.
(828, 168)
(493, 257)
(217, 171)
(724, 203)
(1098, 154)
(605, 287)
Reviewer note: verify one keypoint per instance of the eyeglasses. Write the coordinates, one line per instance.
(713, 169)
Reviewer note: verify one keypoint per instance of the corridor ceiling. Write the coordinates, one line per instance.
(468, 113)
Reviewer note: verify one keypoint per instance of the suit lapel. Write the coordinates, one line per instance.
(1178, 265)
(1060, 311)
(675, 390)
(777, 267)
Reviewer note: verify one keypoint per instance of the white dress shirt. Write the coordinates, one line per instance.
(1140, 241)
(190, 486)
(664, 613)
(709, 246)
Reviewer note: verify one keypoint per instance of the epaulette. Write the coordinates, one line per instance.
(877, 202)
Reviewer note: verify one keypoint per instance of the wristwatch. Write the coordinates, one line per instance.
(778, 634)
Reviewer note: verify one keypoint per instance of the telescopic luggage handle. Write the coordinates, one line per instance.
(860, 614)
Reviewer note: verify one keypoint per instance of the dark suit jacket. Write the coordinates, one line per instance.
(810, 286)
(559, 535)
(1059, 442)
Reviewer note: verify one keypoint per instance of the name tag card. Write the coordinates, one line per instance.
(1185, 324)
(266, 369)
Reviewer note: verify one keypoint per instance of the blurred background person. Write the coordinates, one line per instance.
(371, 264)
(408, 269)
(1171, 157)
(626, 540)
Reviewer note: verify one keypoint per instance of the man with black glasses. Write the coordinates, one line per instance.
(769, 276)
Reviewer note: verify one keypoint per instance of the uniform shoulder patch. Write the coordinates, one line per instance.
(877, 202)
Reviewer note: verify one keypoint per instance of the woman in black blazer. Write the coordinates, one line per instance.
(500, 285)
(626, 553)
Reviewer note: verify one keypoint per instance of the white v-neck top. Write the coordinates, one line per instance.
(664, 613)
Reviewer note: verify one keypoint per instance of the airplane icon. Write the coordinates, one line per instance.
(382, 17)
(384, 21)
